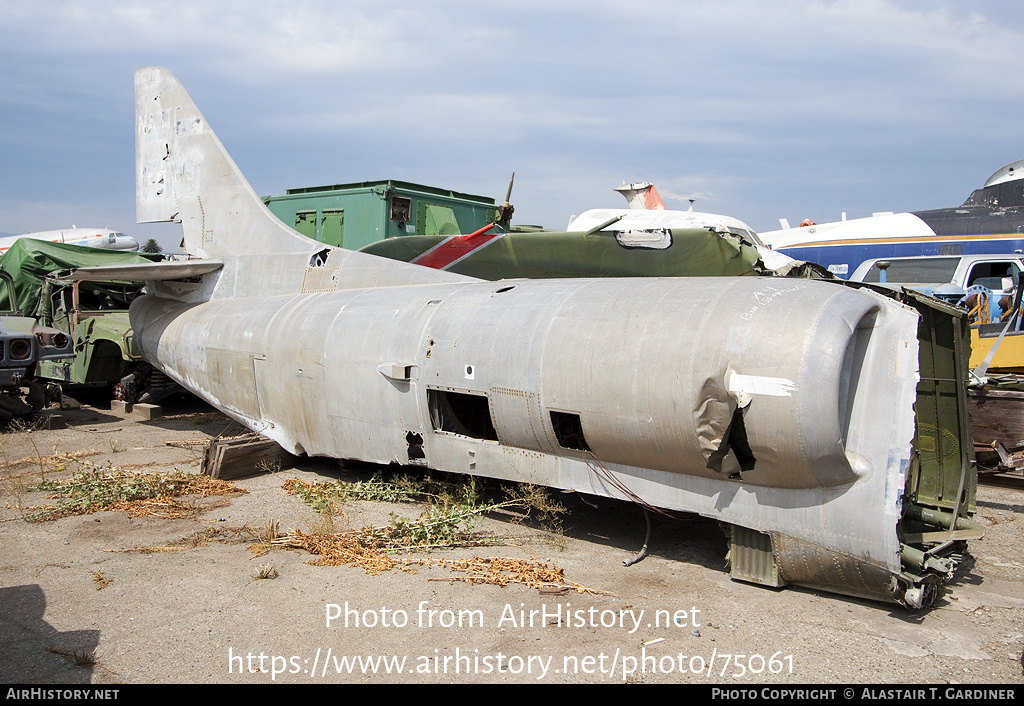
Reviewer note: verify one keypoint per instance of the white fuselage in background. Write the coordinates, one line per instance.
(88, 237)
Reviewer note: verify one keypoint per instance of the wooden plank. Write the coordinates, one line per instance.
(241, 456)
(997, 415)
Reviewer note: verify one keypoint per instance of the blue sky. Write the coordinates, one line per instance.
(757, 110)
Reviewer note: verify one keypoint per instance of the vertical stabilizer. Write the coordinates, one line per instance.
(642, 196)
(184, 174)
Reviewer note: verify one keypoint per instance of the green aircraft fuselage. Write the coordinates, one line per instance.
(545, 254)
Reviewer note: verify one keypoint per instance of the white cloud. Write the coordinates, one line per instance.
(744, 102)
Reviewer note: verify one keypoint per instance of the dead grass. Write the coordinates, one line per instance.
(79, 658)
(356, 548)
(202, 538)
(53, 461)
(209, 417)
(19, 483)
(199, 418)
(187, 443)
(271, 531)
(161, 495)
(447, 523)
(502, 571)
(266, 571)
(150, 549)
(100, 580)
(347, 548)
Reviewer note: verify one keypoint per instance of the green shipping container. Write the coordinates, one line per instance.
(354, 215)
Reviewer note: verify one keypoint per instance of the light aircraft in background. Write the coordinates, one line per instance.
(647, 211)
(786, 409)
(88, 237)
(991, 220)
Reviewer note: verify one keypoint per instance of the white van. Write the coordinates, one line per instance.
(924, 273)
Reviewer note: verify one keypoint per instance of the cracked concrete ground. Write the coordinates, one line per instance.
(79, 602)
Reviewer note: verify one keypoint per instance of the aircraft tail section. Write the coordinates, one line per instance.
(642, 196)
(184, 174)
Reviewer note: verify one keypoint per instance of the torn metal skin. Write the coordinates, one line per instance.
(783, 408)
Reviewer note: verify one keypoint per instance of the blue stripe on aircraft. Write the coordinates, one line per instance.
(842, 260)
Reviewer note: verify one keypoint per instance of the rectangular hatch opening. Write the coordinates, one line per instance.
(462, 413)
(569, 431)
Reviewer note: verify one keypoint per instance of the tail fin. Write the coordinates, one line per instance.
(642, 196)
(184, 174)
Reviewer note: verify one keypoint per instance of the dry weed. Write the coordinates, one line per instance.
(501, 571)
(100, 580)
(446, 523)
(271, 531)
(55, 461)
(202, 418)
(320, 523)
(79, 658)
(202, 538)
(23, 426)
(266, 466)
(162, 495)
(266, 571)
(339, 549)
(150, 549)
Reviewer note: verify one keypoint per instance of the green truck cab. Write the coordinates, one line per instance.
(24, 343)
(93, 316)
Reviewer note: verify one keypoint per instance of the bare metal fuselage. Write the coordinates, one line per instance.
(654, 373)
(784, 408)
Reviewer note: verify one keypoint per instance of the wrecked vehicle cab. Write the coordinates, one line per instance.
(93, 316)
(96, 317)
(24, 345)
(23, 341)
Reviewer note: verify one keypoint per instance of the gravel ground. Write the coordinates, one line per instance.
(80, 602)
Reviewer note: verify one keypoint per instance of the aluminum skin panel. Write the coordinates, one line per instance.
(783, 406)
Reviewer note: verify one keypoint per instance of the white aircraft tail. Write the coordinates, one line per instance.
(184, 174)
(642, 196)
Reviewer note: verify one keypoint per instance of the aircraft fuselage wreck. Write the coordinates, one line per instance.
(823, 423)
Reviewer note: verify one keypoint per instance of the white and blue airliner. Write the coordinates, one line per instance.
(991, 220)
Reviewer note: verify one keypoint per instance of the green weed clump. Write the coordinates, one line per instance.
(325, 497)
(139, 494)
(454, 508)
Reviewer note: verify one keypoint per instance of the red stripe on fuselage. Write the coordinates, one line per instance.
(452, 249)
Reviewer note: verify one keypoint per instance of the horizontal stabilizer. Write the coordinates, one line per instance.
(151, 272)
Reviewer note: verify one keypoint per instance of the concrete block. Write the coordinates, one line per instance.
(53, 421)
(120, 406)
(148, 411)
